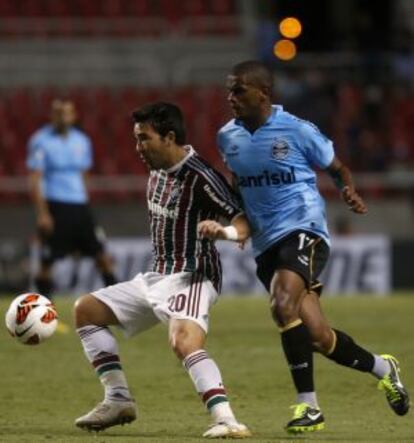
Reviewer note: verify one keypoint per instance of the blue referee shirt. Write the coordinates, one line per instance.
(275, 175)
(61, 159)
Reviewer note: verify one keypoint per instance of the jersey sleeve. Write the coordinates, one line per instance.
(36, 155)
(220, 145)
(218, 196)
(318, 148)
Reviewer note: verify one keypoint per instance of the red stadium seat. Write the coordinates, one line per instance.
(194, 7)
(222, 7)
(171, 10)
(8, 8)
(31, 8)
(89, 8)
(59, 8)
(113, 8)
(139, 8)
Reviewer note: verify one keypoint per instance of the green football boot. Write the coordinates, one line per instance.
(391, 384)
(305, 419)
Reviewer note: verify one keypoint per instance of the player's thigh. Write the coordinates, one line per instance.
(184, 296)
(89, 310)
(300, 252)
(129, 303)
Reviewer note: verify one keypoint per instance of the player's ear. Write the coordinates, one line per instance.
(264, 93)
(170, 137)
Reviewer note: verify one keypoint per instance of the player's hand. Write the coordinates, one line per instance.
(211, 229)
(354, 200)
(45, 223)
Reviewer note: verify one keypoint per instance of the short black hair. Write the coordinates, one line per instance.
(257, 72)
(163, 117)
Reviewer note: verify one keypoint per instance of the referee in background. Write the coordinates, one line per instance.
(59, 156)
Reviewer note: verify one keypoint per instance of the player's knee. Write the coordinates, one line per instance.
(84, 311)
(182, 343)
(283, 307)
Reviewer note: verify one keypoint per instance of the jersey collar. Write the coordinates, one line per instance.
(178, 165)
(276, 109)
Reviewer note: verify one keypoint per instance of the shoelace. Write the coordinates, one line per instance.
(101, 408)
(390, 390)
(300, 410)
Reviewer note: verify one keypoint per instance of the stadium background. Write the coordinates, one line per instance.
(352, 75)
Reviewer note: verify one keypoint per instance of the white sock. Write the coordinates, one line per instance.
(101, 350)
(381, 367)
(207, 380)
(308, 398)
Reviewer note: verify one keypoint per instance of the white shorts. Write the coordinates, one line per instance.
(149, 298)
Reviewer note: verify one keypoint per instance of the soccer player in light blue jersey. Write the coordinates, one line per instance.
(59, 156)
(272, 155)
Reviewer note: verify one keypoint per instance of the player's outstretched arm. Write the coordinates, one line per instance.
(342, 178)
(238, 230)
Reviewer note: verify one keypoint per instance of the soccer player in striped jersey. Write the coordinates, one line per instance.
(185, 281)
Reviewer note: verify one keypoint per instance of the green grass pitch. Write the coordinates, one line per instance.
(44, 388)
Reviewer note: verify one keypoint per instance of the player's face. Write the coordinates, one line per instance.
(151, 146)
(63, 115)
(245, 99)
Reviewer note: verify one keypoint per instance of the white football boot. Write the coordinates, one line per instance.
(107, 414)
(227, 429)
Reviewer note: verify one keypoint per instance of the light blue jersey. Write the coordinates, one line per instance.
(62, 159)
(275, 176)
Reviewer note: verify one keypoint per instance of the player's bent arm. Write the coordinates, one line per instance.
(342, 178)
(44, 218)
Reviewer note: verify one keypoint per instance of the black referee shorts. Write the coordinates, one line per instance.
(74, 231)
(300, 251)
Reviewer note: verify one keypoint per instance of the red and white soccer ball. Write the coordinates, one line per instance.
(31, 318)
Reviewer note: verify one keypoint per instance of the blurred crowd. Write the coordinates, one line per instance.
(372, 125)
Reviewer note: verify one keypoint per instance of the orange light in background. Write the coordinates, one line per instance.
(290, 27)
(284, 49)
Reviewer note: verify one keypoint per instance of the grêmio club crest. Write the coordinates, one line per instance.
(280, 149)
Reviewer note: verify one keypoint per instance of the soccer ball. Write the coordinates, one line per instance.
(31, 318)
